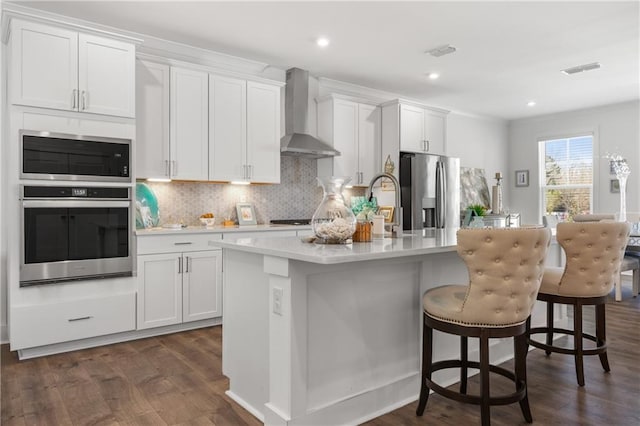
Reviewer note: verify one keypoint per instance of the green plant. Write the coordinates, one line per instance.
(478, 208)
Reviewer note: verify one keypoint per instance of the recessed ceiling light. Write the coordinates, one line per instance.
(434, 76)
(322, 41)
(441, 50)
(581, 68)
(531, 103)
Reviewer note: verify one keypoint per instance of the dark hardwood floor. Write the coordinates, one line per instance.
(177, 379)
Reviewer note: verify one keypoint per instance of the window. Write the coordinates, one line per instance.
(567, 169)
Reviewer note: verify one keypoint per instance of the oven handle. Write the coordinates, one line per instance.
(73, 204)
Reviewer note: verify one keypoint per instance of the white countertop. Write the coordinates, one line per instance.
(220, 229)
(416, 243)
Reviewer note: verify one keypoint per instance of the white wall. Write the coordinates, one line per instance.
(616, 128)
(480, 143)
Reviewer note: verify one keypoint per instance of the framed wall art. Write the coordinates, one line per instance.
(522, 177)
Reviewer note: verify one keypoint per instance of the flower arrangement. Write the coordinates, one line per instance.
(363, 208)
(622, 171)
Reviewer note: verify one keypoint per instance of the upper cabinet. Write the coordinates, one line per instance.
(62, 69)
(152, 120)
(192, 125)
(413, 127)
(263, 132)
(244, 130)
(227, 128)
(189, 124)
(353, 129)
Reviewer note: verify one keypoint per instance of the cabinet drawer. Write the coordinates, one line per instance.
(154, 244)
(259, 234)
(72, 320)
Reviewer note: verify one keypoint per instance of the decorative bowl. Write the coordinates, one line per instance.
(208, 221)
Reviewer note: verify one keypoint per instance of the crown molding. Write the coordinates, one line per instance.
(13, 10)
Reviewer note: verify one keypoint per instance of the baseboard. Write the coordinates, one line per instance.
(4, 334)
(113, 338)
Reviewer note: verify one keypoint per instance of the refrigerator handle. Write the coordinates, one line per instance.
(440, 191)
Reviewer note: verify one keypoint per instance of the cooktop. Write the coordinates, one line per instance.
(290, 222)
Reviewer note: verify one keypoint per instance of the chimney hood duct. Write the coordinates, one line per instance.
(297, 141)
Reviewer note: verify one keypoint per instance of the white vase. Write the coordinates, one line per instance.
(622, 216)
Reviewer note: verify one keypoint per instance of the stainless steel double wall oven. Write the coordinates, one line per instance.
(72, 228)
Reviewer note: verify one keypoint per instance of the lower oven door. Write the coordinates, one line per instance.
(66, 240)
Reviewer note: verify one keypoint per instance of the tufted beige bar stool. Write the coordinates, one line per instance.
(505, 268)
(594, 252)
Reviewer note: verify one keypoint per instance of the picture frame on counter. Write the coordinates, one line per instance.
(387, 212)
(522, 178)
(246, 214)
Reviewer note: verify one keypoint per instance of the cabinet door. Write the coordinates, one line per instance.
(263, 132)
(202, 285)
(435, 131)
(411, 128)
(345, 140)
(189, 125)
(152, 120)
(159, 290)
(106, 76)
(368, 142)
(44, 66)
(227, 128)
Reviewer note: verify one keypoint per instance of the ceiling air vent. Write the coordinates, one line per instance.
(441, 51)
(581, 68)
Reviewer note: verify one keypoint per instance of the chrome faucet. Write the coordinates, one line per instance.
(396, 225)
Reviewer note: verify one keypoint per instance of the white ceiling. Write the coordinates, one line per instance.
(507, 52)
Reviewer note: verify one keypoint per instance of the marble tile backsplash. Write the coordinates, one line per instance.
(296, 197)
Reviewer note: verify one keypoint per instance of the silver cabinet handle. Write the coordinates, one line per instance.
(84, 100)
(173, 171)
(166, 167)
(186, 265)
(250, 171)
(186, 243)
(74, 95)
(180, 264)
(79, 318)
(428, 145)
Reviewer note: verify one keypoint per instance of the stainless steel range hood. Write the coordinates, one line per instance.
(297, 141)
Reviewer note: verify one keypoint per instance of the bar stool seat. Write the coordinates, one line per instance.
(505, 270)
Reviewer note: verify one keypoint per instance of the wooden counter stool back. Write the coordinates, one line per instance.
(505, 270)
(594, 252)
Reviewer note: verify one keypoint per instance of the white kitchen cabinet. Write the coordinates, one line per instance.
(179, 279)
(244, 130)
(189, 124)
(227, 128)
(353, 129)
(152, 120)
(63, 69)
(263, 132)
(413, 127)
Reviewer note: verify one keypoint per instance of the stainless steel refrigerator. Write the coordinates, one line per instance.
(430, 190)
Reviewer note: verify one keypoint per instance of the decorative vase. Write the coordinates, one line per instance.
(622, 180)
(333, 221)
(477, 222)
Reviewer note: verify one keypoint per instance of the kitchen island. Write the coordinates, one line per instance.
(331, 334)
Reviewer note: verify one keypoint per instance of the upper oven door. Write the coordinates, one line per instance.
(59, 156)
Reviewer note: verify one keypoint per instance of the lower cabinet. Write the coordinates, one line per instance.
(179, 287)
